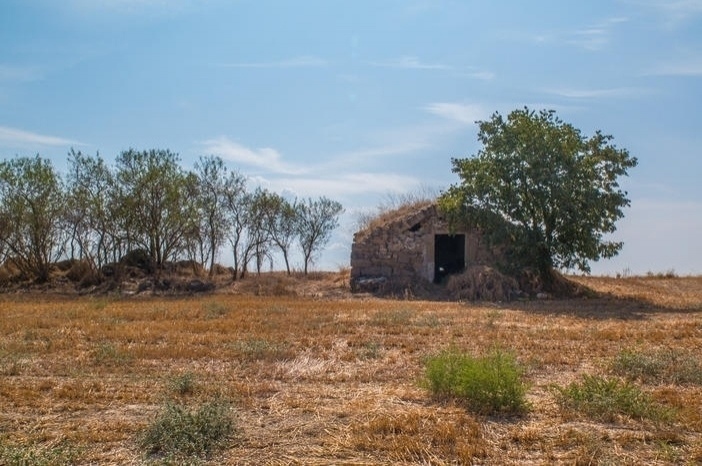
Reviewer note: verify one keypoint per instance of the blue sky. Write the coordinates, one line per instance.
(359, 99)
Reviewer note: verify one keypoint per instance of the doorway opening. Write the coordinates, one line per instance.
(449, 255)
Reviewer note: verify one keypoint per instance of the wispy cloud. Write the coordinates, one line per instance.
(410, 63)
(690, 67)
(465, 114)
(672, 12)
(381, 150)
(265, 157)
(597, 36)
(347, 184)
(613, 93)
(130, 7)
(305, 61)
(16, 137)
(19, 73)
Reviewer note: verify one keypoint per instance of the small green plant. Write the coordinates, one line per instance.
(491, 384)
(109, 354)
(183, 384)
(662, 366)
(215, 310)
(180, 432)
(371, 350)
(62, 454)
(393, 317)
(604, 399)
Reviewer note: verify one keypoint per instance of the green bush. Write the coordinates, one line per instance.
(179, 432)
(491, 384)
(662, 366)
(183, 384)
(604, 399)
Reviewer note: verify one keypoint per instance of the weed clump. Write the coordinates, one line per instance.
(490, 384)
(183, 384)
(61, 454)
(662, 366)
(179, 432)
(604, 399)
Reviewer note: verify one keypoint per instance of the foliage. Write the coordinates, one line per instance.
(541, 186)
(491, 384)
(61, 454)
(316, 220)
(156, 201)
(280, 222)
(665, 365)
(605, 398)
(99, 214)
(219, 195)
(90, 217)
(181, 432)
(31, 214)
(183, 384)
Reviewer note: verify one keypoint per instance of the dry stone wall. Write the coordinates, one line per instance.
(400, 252)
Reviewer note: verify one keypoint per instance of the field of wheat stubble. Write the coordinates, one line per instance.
(335, 378)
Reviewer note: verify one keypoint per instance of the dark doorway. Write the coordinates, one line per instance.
(449, 255)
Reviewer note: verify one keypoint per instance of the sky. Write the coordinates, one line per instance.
(367, 100)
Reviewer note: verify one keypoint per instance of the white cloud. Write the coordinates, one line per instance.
(129, 6)
(305, 61)
(596, 36)
(465, 114)
(691, 67)
(266, 157)
(672, 12)
(346, 184)
(17, 137)
(411, 63)
(392, 148)
(612, 93)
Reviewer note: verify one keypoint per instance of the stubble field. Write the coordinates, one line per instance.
(331, 378)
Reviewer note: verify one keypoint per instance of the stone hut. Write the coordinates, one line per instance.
(413, 245)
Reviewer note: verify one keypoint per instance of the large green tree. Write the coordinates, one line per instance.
(552, 193)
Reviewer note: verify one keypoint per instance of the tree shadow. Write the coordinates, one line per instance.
(590, 303)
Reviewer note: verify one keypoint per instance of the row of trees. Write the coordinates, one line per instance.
(98, 213)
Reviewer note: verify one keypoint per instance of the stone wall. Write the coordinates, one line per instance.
(401, 251)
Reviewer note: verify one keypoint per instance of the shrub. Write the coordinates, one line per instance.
(183, 384)
(491, 384)
(38, 455)
(179, 432)
(604, 399)
(662, 366)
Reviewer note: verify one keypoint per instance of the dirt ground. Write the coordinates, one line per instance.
(316, 375)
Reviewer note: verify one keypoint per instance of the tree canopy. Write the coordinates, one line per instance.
(537, 183)
(147, 203)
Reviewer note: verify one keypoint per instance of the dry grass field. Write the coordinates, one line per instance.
(324, 377)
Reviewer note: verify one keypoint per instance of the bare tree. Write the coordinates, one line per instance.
(280, 221)
(91, 222)
(316, 220)
(219, 192)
